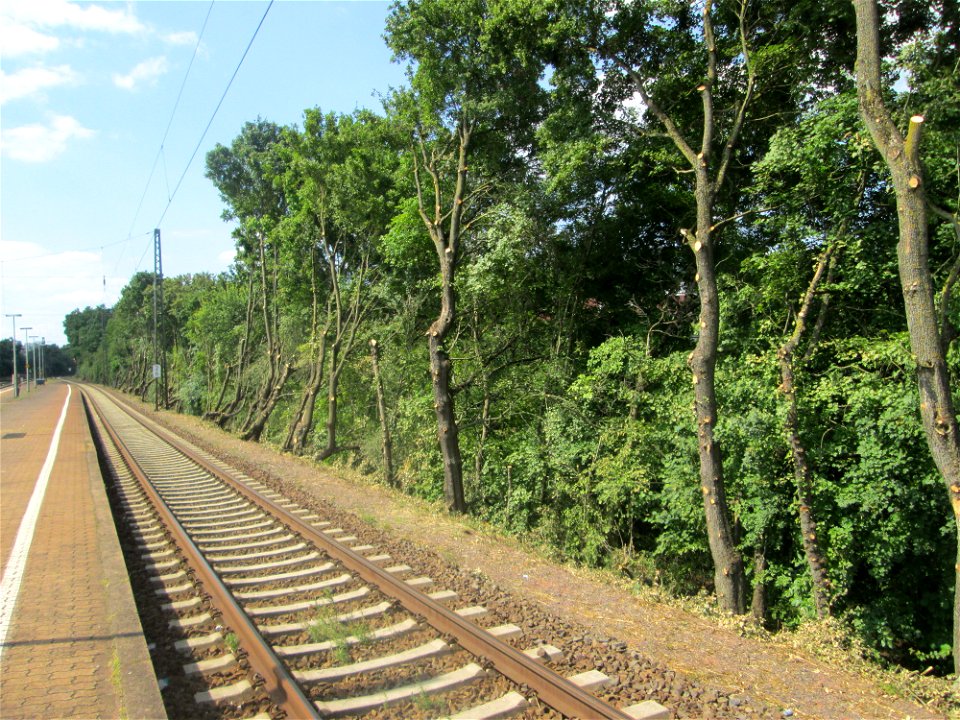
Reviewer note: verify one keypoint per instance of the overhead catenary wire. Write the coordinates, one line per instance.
(203, 135)
(173, 112)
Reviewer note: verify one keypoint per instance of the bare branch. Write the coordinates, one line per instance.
(747, 97)
(745, 213)
(672, 130)
(706, 90)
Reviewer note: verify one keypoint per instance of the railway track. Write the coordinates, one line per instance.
(273, 601)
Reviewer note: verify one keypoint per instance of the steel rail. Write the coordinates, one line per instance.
(551, 688)
(280, 685)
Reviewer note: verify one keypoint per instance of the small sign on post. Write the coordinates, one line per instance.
(156, 372)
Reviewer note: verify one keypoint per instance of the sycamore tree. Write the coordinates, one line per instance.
(928, 326)
(717, 58)
(475, 76)
(244, 173)
(339, 181)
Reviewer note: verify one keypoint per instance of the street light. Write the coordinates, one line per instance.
(36, 365)
(13, 339)
(26, 354)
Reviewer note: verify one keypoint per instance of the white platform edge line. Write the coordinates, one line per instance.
(13, 576)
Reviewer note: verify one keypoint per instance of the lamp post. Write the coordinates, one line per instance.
(26, 355)
(13, 339)
(43, 365)
(36, 365)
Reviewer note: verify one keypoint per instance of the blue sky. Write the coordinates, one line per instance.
(86, 93)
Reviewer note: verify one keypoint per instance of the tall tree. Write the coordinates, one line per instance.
(471, 108)
(815, 175)
(339, 178)
(728, 75)
(86, 332)
(901, 153)
(245, 175)
(216, 321)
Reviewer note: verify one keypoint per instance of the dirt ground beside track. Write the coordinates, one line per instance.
(773, 674)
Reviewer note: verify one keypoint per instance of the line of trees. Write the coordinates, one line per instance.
(57, 361)
(667, 285)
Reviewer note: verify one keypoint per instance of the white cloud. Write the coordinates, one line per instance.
(62, 13)
(24, 24)
(41, 143)
(187, 37)
(26, 82)
(17, 39)
(146, 72)
(45, 286)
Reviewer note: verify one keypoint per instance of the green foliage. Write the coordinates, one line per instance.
(576, 308)
(86, 330)
(889, 527)
(622, 481)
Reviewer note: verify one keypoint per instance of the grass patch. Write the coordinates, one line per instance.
(116, 679)
(429, 705)
(369, 519)
(232, 642)
(326, 627)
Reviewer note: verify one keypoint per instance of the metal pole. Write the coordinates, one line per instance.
(36, 365)
(43, 366)
(159, 371)
(26, 355)
(13, 339)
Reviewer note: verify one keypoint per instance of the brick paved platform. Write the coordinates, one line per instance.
(74, 647)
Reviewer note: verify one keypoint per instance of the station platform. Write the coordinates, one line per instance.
(71, 644)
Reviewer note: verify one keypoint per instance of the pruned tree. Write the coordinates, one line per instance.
(814, 176)
(244, 174)
(710, 169)
(338, 178)
(223, 411)
(471, 109)
(386, 441)
(901, 153)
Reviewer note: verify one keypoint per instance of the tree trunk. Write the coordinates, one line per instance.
(448, 434)
(220, 415)
(302, 418)
(447, 244)
(305, 423)
(228, 370)
(816, 561)
(258, 422)
(386, 444)
(279, 371)
(478, 460)
(302, 421)
(729, 575)
(758, 606)
(447, 431)
(261, 399)
(333, 382)
(902, 156)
